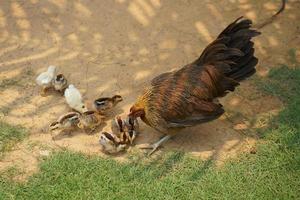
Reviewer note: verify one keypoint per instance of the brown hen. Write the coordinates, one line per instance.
(189, 96)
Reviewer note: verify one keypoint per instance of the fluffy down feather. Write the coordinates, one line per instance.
(45, 78)
(74, 99)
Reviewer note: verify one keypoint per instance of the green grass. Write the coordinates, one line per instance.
(272, 173)
(9, 136)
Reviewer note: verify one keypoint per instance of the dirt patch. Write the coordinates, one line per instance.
(23, 159)
(117, 47)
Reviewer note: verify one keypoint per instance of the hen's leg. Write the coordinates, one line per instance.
(157, 144)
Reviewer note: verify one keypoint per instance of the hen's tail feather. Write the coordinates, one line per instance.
(247, 48)
(232, 53)
(230, 27)
(242, 61)
(245, 72)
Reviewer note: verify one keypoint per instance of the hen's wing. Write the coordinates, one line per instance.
(186, 97)
(161, 78)
(205, 111)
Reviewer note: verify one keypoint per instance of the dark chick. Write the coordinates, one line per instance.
(189, 96)
(60, 83)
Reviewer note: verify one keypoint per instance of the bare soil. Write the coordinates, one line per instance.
(117, 47)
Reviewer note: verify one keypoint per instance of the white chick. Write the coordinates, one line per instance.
(45, 78)
(74, 99)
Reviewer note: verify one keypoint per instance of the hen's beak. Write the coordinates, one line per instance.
(131, 114)
(131, 117)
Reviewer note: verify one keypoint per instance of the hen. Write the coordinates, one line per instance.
(189, 96)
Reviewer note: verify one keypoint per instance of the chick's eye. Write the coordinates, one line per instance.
(83, 106)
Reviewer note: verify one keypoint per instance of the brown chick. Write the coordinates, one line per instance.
(105, 104)
(189, 96)
(117, 126)
(88, 121)
(132, 127)
(125, 130)
(118, 129)
(65, 123)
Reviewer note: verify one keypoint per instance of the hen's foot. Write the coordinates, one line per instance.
(157, 144)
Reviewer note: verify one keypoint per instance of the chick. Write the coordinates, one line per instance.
(125, 130)
(60, 83)
(132, 126)
(117, 126)
(74, 99)
(66, 122)
(90, 120)
(105, 104)
(45, 79)
(110, 143)
(119, 129)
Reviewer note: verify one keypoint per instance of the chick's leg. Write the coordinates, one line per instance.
(157, 144)
(91, 131)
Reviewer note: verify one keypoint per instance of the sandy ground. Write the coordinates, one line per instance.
(117, 47)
